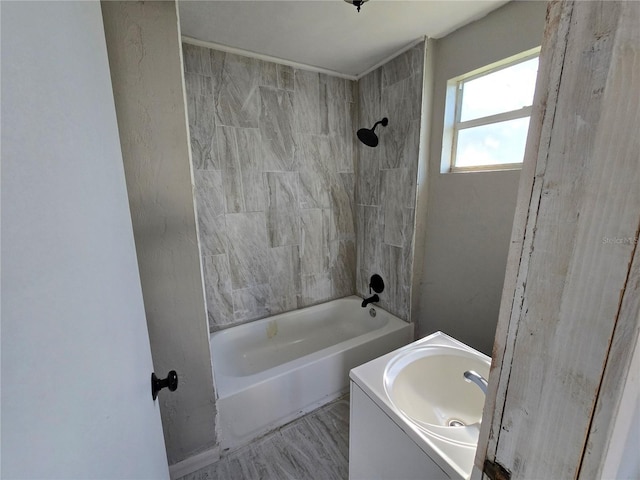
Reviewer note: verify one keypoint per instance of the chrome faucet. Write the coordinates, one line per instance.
(475, 377)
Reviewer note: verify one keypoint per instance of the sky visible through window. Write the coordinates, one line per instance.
(502, 91)
(493, 144)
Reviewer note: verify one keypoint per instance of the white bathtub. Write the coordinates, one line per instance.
(273, 370)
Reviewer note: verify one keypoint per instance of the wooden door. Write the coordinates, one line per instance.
(569, 318)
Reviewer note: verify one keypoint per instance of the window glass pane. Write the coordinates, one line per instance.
(493, 144)
(508, 89)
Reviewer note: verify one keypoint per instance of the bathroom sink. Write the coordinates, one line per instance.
(426, 385)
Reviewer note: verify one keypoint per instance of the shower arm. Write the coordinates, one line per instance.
(384, 123)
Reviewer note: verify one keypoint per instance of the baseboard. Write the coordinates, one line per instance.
(194, 463)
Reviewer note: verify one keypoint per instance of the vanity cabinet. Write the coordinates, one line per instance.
(379, 449)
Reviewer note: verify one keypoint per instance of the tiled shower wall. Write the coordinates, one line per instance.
(273, 157)
(387, 177)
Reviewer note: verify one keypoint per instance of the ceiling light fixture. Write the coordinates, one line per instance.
(356, 3)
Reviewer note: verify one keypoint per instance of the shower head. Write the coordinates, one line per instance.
(369, 137)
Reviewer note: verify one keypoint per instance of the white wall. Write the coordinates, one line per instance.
(469, 215)
(76, 400)
(143, 41)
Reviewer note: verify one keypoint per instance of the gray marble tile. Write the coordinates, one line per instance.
(210, 207)
(317, 170)
(395, 297)
(313, 447)
(324, 96)
(340, 153)
(202, 132)
(308, 457)
(285, 77)
(245, 119)
(410, 152)
(331, 425)
(239, 66)
(398, 201)
(269, 72)
(248, 140)
(230, 160)
(336, 87)
(251, 166)
(408, 215)
(237, 98)
(284, 279)
(345, 162)
(251, 303)
(348, 181)
(307, 101)
(398, 69)
(191, 108)
(368, 177)
(370, 231)
(313, 243)
(351, 90)
(342, 208)
(342, 255)
(196, 59)
(196, 84)
(395, 100)
(248, 255)
(337, 116)
(217, 59)
(402, 136)
(315, 288)
(274, 459)
(237, 105)
(254, 190)
(369, 99)
(398, 225)
(276, 129)
(219, 297)
(283, 213)
(415, 91)
(417, 57)
(392, 200)
(216, 471)
(386, 176)
(329, 230)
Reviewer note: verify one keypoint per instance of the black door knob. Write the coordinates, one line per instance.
(158, 384)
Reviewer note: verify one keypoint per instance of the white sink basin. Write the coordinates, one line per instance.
(426, 384)
(422, 388)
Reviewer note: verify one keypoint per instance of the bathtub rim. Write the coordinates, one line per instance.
(227, 386)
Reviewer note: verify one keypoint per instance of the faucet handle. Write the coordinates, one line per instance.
(376, 283)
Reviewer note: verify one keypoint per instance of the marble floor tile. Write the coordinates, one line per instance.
(313, 447)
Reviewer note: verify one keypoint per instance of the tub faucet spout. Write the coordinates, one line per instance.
(475, 377)
(367, 301)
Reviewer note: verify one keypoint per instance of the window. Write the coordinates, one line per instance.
(487, 115)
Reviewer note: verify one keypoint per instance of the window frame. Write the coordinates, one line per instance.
(453, 111)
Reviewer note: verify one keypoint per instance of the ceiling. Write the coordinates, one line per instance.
(327, 34)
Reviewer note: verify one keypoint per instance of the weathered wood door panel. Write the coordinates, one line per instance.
(570, 302)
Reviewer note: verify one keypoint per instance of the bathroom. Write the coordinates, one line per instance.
(345, 226)
(231, 228)
(294, 211)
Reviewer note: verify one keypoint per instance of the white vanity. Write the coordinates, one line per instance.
(413, 414)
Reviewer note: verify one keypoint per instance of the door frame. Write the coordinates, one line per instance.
(618, 385)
